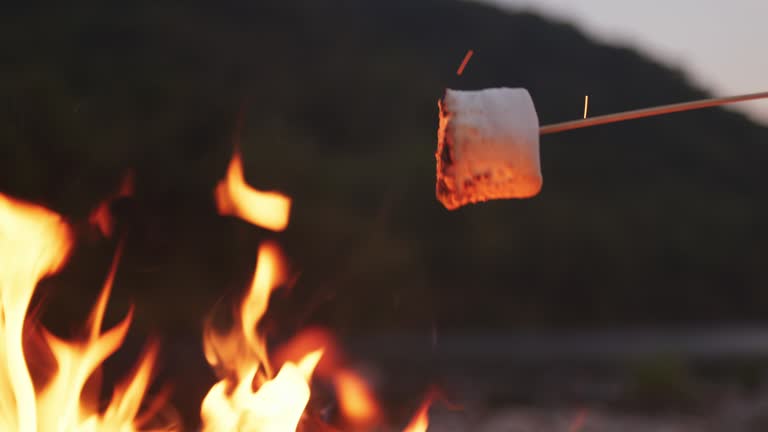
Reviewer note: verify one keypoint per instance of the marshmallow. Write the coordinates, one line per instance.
(487, 146)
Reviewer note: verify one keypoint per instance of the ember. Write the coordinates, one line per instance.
(464, 62)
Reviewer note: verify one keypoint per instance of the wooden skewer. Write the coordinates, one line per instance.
(647, 112)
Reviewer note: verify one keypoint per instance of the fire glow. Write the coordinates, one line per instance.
(58, 392)
(35, 243)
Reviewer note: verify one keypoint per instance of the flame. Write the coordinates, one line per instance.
(249, 397)
(240, 355)
(34, 243)
(276, 407)
(420, 421)
(310, 339)
(356, 402)
(279, 402)
(355, 399)
(234, 197)
(100, 216)
(241, 349)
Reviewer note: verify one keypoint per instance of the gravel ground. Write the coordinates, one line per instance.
(739, 416)
(527, 420)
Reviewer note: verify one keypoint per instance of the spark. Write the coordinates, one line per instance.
(586, 105)
(464, 62)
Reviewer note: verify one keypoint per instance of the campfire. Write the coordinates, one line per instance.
(48, 383)
(488, 148)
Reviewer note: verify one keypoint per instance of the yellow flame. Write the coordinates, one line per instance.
(268, 275)
(234, 197)
(240, 355)
(239, 350)
(276, 407)
(232, 404)
(35, 242)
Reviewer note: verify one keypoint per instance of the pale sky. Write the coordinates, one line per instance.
(720, 44)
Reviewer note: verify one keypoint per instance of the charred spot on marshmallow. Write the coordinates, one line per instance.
(487, 146)
(445, 156)
(444, 152)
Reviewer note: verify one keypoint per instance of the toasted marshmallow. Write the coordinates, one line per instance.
(487, 146)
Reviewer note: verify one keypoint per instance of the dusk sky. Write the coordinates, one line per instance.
(719, 44)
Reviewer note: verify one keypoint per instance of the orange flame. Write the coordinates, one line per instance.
(355, 399)
(34, 243)
(420, 421)
(234, 197)
(357, 404)
(100, 216)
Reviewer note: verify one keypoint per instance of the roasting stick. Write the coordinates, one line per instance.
(647, 112)
(488, 142)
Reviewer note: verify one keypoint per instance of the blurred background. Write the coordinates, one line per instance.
(634, 285)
